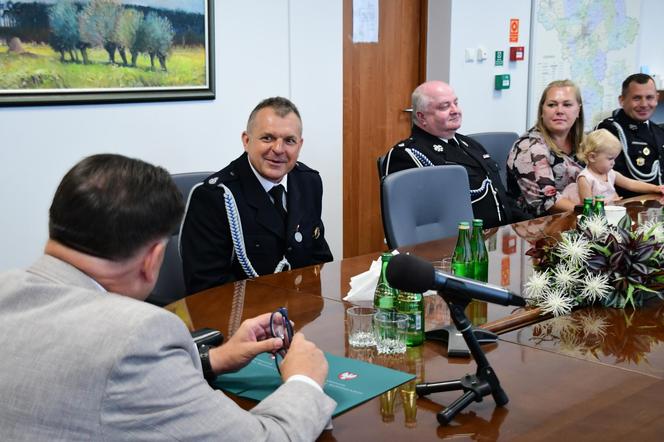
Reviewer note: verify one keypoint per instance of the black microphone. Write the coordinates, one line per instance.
(413, 274)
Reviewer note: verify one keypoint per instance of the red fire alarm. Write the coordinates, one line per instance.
(517, 53)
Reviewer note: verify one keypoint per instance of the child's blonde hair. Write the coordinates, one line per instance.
(599, 141)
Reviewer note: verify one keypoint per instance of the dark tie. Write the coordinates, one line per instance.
(277, 194)
(453, 142)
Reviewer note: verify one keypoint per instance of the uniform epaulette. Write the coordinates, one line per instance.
(223, 176)
(304, 168)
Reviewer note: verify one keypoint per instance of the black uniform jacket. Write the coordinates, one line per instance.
(644, 144)
(206, 245)
(495, 209)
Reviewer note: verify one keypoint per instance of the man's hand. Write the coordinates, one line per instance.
(304, 358)
(250, 340)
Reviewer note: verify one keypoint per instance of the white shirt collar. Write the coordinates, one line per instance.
(447, 140)
(267, 184)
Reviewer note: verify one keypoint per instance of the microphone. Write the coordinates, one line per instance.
(413, 274)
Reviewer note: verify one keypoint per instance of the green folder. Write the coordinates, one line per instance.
(349, 382)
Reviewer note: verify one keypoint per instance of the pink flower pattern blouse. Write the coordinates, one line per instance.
(537, 174)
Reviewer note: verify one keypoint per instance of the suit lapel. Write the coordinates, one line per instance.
(264, 211)
(294, 202)
(425, 142)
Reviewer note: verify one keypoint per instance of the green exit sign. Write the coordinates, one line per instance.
(502, 82)
(500, 56)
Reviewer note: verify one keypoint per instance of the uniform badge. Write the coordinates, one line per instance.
(633, 127)
(438, 148)
(298, 236)
(646, 151)
(316, 234)
(213, 180)
(640, 161)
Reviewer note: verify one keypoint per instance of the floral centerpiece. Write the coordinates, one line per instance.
(616, 266)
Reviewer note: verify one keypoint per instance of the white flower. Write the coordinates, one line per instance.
(573, 249)
(652, 228)
(557, 303)
(596, 287)
(537, 285)
(566, 277)
(597, 227)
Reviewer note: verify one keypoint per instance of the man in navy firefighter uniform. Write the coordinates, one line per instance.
(642, 140)
(434, 141)
(262, 213)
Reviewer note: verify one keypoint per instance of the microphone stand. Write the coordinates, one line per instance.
(475, 387)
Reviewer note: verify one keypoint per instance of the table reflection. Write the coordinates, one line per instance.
(627, 338)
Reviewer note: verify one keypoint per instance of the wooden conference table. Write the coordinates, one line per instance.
(595, 375)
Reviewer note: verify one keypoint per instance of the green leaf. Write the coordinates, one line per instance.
(625, 222)
(629, 299)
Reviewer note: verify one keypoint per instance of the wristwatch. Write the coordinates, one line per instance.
(204, 353)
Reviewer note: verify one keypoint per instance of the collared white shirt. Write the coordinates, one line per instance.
(267, 184)
(447, 140)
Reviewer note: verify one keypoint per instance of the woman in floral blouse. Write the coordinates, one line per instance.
(543, 161)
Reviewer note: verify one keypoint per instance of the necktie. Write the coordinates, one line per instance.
(453, 142)
(277, 194)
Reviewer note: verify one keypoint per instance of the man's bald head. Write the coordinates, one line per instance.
(435, 109)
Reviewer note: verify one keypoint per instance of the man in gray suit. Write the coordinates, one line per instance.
(84, 358)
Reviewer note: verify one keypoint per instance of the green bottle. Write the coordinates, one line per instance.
(599, 206)
(462, 259)
(587, 207)
(384, 296)
(412, 305)
(480, 253)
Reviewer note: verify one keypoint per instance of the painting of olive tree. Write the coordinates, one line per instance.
(64, 51)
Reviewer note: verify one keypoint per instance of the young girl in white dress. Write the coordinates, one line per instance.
(599, 151)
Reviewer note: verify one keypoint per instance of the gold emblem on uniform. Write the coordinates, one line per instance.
(640, 161)
(438, 148)
(646, 151)
(316, 234)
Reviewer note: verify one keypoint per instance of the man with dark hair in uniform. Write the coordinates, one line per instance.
(262, 213)
(434, 141)
(642, 140)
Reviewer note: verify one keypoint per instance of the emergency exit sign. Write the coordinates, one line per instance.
(500, 56)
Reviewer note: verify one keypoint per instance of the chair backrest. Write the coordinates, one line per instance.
(498, 144)
(379, 163)
(170, 284)
(423, 204)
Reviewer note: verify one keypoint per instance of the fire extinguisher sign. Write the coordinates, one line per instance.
(514, 30)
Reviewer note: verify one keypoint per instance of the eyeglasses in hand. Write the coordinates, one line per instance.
(280, 327)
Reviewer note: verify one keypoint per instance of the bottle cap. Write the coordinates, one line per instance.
(587, 200)
(478, 222)
(463, 225)
(599, 197)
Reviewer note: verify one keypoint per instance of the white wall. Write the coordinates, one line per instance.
(263, 48)
(474, 24)
(651, 35)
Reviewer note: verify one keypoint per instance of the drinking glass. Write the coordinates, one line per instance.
(360, 326)
(390, 331)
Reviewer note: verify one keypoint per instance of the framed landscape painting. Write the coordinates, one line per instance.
(92, 51)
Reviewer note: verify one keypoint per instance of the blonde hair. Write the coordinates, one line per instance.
(599, 141)
(575, 132)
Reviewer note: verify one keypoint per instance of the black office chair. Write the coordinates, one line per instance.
(170, 285)
(379, 163)
(498, 145)
(423, 204)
